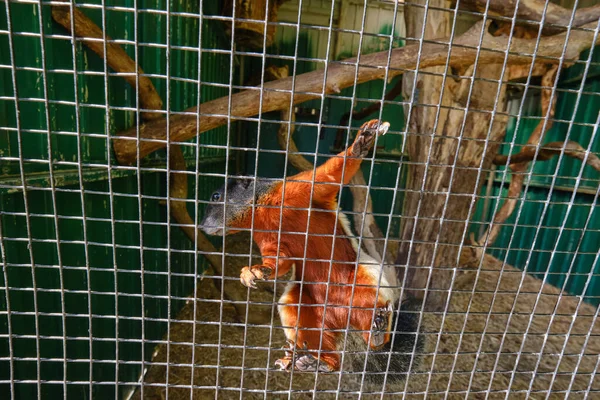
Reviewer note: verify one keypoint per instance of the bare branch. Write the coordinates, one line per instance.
(516, 185)
(530, 12)
(570, 148)
(341, 74)
(116, 57)
(149, 98)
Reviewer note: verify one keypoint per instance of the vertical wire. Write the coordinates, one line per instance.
(111, 195)
(9, 331)
(53, 194)
(13, 65)
(82, 196)
(312, 185)
(408, 117)
(383, 270)
(561, 229)
(138, 175)
(589, 218)
(587, 338)
(451, 179)
(503, 180)
(337, 211)
(584, 290)
(283, 185)
(196, 192)
(475, 195)
(518, 292)
(227, 154)
(248, 302)
(168, 186)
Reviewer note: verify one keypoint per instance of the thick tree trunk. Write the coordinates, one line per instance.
(445, 169)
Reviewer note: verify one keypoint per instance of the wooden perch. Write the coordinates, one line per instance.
(530, 12)
(116, 57)
(518, 169)
(276, 94)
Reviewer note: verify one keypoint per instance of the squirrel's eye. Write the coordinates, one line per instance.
(216, 196)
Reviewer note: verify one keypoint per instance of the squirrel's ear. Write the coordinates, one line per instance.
(246, 183)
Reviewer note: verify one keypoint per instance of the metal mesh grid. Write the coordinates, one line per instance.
(49, 365)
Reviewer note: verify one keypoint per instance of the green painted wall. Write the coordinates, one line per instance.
(80, 276)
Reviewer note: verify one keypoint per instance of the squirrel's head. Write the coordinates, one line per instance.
(223, 215)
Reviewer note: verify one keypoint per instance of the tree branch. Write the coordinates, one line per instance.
(548, 107)
(571, 149)
(530, 12)
(116, 57)
(341, 74)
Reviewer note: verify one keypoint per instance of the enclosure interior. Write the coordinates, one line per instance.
(95, 269)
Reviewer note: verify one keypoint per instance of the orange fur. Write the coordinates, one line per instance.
(329, 303)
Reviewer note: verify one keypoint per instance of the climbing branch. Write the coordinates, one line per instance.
(116, 57)
(548, 101)
(276, 95)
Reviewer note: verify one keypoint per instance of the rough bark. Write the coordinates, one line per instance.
(116, 57)
(341, 74)
(531, 12)
(445, 166)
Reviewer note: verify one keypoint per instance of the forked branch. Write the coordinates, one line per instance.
(518, 163)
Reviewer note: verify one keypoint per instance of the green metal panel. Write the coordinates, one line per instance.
(84, 276)
(549, 253)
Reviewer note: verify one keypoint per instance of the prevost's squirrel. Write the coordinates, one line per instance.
(331, 291)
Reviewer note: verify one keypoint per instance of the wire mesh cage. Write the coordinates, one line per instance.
(413, 186)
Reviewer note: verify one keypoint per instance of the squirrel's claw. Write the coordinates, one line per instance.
(249, 275)
(366, 136)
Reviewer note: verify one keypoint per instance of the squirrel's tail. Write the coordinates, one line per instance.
(399, 353)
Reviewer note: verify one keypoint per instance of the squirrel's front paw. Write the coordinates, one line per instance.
(366, 136)
(255, 272)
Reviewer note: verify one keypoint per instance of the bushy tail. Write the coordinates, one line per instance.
(402, 350)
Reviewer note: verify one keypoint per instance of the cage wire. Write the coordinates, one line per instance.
(479, 205)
